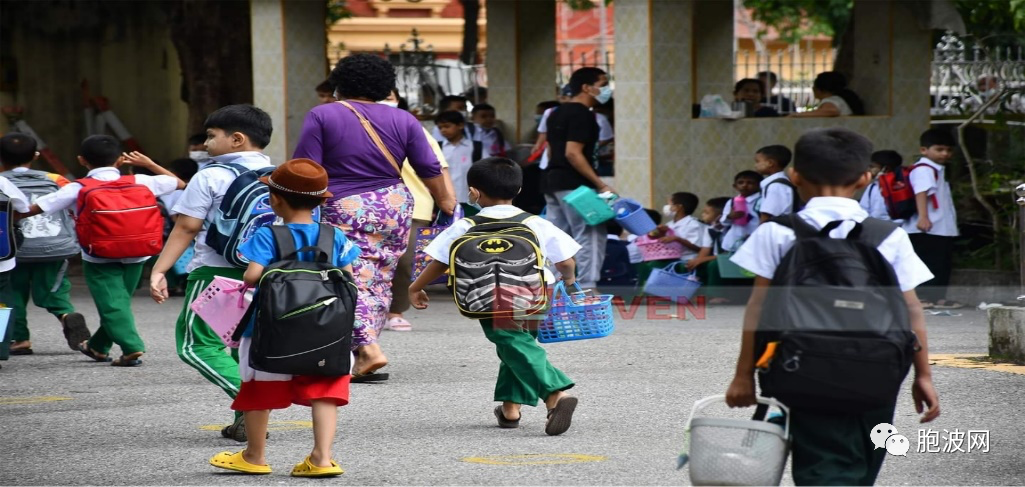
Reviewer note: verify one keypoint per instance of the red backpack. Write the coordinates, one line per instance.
(899, 196)
(118, 219)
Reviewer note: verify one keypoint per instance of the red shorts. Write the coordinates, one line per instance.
(301, 390)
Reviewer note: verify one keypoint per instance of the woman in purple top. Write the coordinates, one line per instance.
(370, 203)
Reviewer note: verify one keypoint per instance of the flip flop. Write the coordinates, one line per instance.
(75, 331)
(368, 377)
(306, 468)
(130, 360)
(948, 305)
(22, 350)
(88, 352)
(504, 422)
(398, 324)
(234, 461)
(561, 416)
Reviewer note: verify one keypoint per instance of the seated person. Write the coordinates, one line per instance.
(836, 100)
(683, 229)
(749, 91)
(781, 103)
(616, 271)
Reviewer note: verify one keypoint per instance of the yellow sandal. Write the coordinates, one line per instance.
(308, 469)
(234, 461)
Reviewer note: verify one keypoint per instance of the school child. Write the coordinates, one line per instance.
(494, 142)
(236, 136)
(777, 192)
(112, 279)
(710, 242)
(741, 222)
(19, 204)
(296, 187)
(686, 230)
(325, 93)
(49, 241)
(525, 375)
(456, 103)
(184, 169)
(830, 430)
(933, 228)
(617, 272)
(460, 152)
(197, 150)
(882, 162)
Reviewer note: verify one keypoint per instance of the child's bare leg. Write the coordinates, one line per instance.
(256, 432)
(511, 410)
(325, 422)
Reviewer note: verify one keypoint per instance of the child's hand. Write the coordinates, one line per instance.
(136, 158)
(694, 263)
(924, 224)
(158, 287)
(419, 299)
(669, 239)
(924, 395)
(741, 393)
(734, 215)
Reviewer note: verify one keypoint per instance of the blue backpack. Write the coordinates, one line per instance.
(243, 210)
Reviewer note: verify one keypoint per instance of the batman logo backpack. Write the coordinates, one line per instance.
(496, 269)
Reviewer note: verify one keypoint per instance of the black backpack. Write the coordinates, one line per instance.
(834, 322)
(9, 237)
(496, 269)
(305, 310)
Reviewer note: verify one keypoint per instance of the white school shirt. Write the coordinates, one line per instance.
(203, 196)
(707, 241)
(777, 200)
(944, 218)
(475, 136)
(20, 204)
(691, 229)
(556, 245)
(636, 257)
(764, 250)
(67, 197)
(460, 158)
(873, 203)
(489, 139)
(735, 234)
(170, 199)
(839, 103)
(542, 128)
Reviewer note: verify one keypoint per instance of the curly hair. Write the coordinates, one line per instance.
(363, 76)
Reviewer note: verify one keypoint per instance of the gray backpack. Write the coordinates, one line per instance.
(46, 237)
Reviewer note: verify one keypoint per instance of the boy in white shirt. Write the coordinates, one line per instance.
(933, 228)
(19, 204)
(459, 151)
(778, 196)
(235, 134)
(871, 201)
(492, 138)
(687, 230)
(111, 282)
(747, 184)
(832, 447)
(525, 374)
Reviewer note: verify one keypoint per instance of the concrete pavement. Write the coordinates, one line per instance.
(67, 420)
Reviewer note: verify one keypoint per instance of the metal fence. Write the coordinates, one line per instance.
(568, 62)
(965, 75)
(795, 69)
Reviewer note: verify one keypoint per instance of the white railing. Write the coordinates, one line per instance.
(966, 75)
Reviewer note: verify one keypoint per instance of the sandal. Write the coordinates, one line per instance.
(75, 331)
(368, 377)
(306, 468)
(941, 304)
(130, 360)
(560, 417)
(234, 461)
(93, 354)
(236, 430)
(504, 422)
(398, 323)
(21, 348)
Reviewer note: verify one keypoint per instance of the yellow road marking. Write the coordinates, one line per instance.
(10, 401)
(966, 361)
(271, 426)
(536, 459)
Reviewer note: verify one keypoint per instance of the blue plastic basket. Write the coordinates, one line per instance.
(576, 316)
(183, 262)
(5, 318)
(591, 207)
(631, 216)
(671, 284)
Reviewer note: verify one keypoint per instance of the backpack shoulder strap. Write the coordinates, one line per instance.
(935, 173)
(478, 151)
(283, 240)
(875, 231)
(326, 241)
(801, 228)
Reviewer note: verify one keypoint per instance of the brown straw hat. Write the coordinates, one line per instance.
(299, 176)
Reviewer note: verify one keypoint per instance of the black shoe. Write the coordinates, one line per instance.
(75, 331)
(561, 416)
(503, 422)
(236, 430)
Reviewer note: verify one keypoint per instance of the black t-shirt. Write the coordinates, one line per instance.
(570, 122)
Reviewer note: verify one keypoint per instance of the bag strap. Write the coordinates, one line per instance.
(801, 228)
(375, 137)
(936, 175)
(326, 240)
(875, 231)
(283, 240)
(520, 217)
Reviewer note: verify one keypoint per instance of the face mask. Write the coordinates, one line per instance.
(475, 204)
(604, 95)
(667, 210)
(393, 104)
(199, 155)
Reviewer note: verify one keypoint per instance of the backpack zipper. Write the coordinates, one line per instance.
(125, 210)
(303, 353)
(322, 304)
(323, 274)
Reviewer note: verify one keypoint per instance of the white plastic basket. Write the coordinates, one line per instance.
(736, 451)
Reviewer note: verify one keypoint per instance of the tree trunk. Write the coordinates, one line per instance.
(215, 53)
(471, 32)
(844, 62)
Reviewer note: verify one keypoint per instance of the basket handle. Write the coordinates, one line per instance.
(703, 403)
(671, 268)
(560, 288)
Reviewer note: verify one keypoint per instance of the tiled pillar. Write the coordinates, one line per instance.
(634, 100)
(520, 60)
(288, 63)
